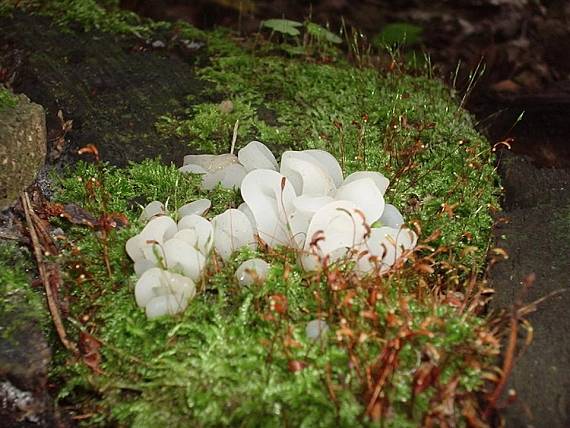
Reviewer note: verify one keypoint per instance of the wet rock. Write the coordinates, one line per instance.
(533, 230)
(24, 362)
(22, 148)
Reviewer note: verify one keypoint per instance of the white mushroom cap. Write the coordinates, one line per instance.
(316, 329)
(305, 208)
(251, 271)
(156, 231)
(133, 247)
(391, 217)
(222, 162)
(244, 208)
(385, 246)
(152, 209)
(170, 304)
(179, 255)
(256, 155)
(232, 230)
(198, 207)
(306, 174)
(201, 160)
(211, 163)
(329, 163)
(229, 177)
(339, 224)
(314, 259)
(142, 265)
(192, 168)
(269, 196)
(187, 235)
(159, 229)
(381, 182)
(202, 229)
(158, 282)
(366, 195)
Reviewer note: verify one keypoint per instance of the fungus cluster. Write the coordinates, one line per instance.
(303, 203)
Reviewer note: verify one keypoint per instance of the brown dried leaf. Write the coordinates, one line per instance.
(89, 347)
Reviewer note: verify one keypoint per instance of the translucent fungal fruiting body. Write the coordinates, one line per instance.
(161, 292)
(198, 207)
(316, 329)
(384, 247)
(251, 271)
(307, 206)
(306, 174)
(196, 226)
(153, 209)
(269, 195)
(381, 182)
(232, 231)
(366, 196)
(256, 155)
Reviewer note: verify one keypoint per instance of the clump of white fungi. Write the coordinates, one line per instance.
(303, 203)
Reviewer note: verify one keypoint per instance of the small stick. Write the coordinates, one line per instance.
(507, 366)
(52, 305)
(234, 137)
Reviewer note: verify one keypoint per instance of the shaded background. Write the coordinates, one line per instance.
(522, 46)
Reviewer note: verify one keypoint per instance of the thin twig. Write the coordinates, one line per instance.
(234, 137)
(507, 365)
(52, 305)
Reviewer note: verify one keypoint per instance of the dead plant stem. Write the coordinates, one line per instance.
(52, 304)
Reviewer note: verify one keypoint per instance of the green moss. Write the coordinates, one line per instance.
(101, 15)
(232, 360)
(16, 294)
(225, 361)
(7, 99)
(408, 128)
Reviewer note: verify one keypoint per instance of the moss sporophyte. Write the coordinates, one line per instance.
(388, 345)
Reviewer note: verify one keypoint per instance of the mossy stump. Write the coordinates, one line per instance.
(22, 148)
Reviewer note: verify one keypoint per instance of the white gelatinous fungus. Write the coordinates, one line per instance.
(251, 271)
(304, 208)
(256, 155)
(184, 258)
(384, 247)
(366, 195)
(228, 177)
(170, 304)
(381, 182)
(232, 230)
(152, 209)
(307, 205)
(142, 265)
(329, 163)
(269, 196)
(162, 292)
(156, 232)
(391, 217)
(338, 224)
(198, 207)
(187, 235)
(316, 329)
(192, 169)
(211, 163)
(244, 208)
(201, 229)
(306, 174)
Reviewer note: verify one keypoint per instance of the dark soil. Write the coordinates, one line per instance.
(533, 230)
(111, 88)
